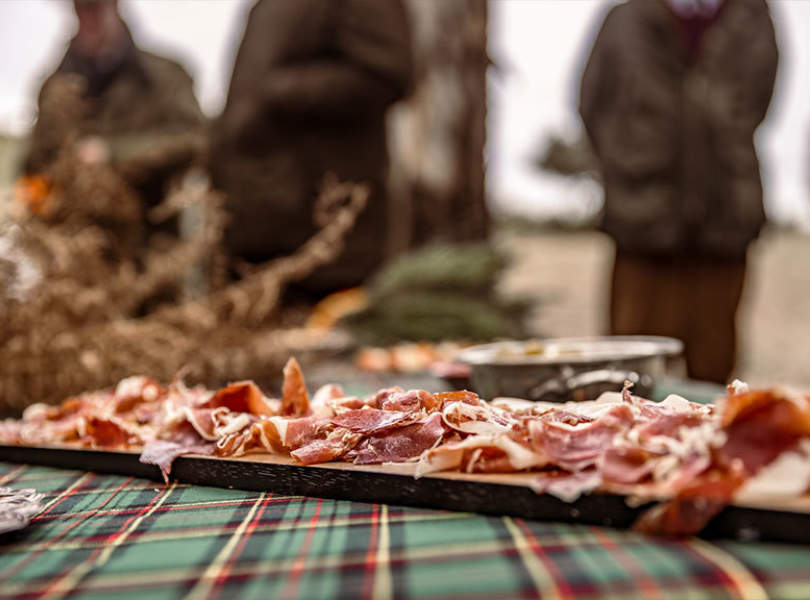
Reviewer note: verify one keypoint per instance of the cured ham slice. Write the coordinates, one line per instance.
(757, 427)
(401, 444)
(627, 464)
(760, 426)
(330, 400)
(162, 453)
(699, 456)
(404, 401)
(697, 502)
(294, 433)
(576, 447)
(399, 400)
(468, 416)
(335, 445)
(243, 396)
(369, 420)
(202, 420)
(108, 433)
(133, 391)
(294, 396)
(452, 455)
(10, 432)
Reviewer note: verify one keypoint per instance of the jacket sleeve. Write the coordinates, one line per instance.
(743, 95)
(58, 103)
(627, 104)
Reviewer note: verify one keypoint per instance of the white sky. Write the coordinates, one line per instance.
(539, 47)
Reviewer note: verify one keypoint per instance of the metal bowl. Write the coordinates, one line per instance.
(563, 369)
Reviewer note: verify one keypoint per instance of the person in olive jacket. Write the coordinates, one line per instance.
(308, 96)
(671, 96)
(138, 110)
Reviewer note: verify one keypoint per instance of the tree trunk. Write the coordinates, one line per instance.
(438, 135)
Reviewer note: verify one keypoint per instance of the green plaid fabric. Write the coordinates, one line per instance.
(102, 536)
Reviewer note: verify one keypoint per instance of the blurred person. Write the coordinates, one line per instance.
(109, 102)
(311, 85)
(671, 96)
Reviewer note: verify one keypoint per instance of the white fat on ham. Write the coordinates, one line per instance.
(450, 456)
(280, 423)
(593, 409)
(514, 404)
(788, 476)
(687, 441)
(330, 391)
(36, 412)
(476, 418)
(266, 442)
(322, 403)
(136, 385)
(173, 408)
(681, 404)
(739, 387)
(229, 423)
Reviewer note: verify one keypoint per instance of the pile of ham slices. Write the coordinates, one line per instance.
(694, 458)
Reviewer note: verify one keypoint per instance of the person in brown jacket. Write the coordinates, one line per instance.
(139, 110)
(308, 96)
(671, 96)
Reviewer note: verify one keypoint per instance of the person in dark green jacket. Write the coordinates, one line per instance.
(137, 110)
(671, 97)
(310, 88)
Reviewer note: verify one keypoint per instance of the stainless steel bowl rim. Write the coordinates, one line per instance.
(588, 350)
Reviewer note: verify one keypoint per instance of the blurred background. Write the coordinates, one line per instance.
(488, 143)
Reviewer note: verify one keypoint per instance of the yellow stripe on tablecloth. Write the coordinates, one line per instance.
(66, 492)
(105, 555)
(203, 587)
(72, 578)
(181, 506)
(748, 587)
(278, 566)
(12, 474)
(189, 534)
(39, 547)
(543, 581)
(383, 585)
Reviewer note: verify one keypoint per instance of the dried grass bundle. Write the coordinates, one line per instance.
(228, 335)
(75, 277)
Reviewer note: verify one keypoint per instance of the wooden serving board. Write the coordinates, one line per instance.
(774, 519)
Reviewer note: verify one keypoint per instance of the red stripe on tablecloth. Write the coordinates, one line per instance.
(168, 508)
(219, 528)
(29, 558)
(110, 539)
(87, 478)
(537, 548)
(716, 570)
(240, 547)
(647, 584)
(290, 588)
(371, 553)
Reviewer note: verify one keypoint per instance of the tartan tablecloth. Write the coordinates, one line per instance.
(104, 535)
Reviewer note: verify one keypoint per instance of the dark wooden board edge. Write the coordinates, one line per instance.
(609, 510)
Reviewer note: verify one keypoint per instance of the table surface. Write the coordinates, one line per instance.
(104, 535)
(100, 535)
